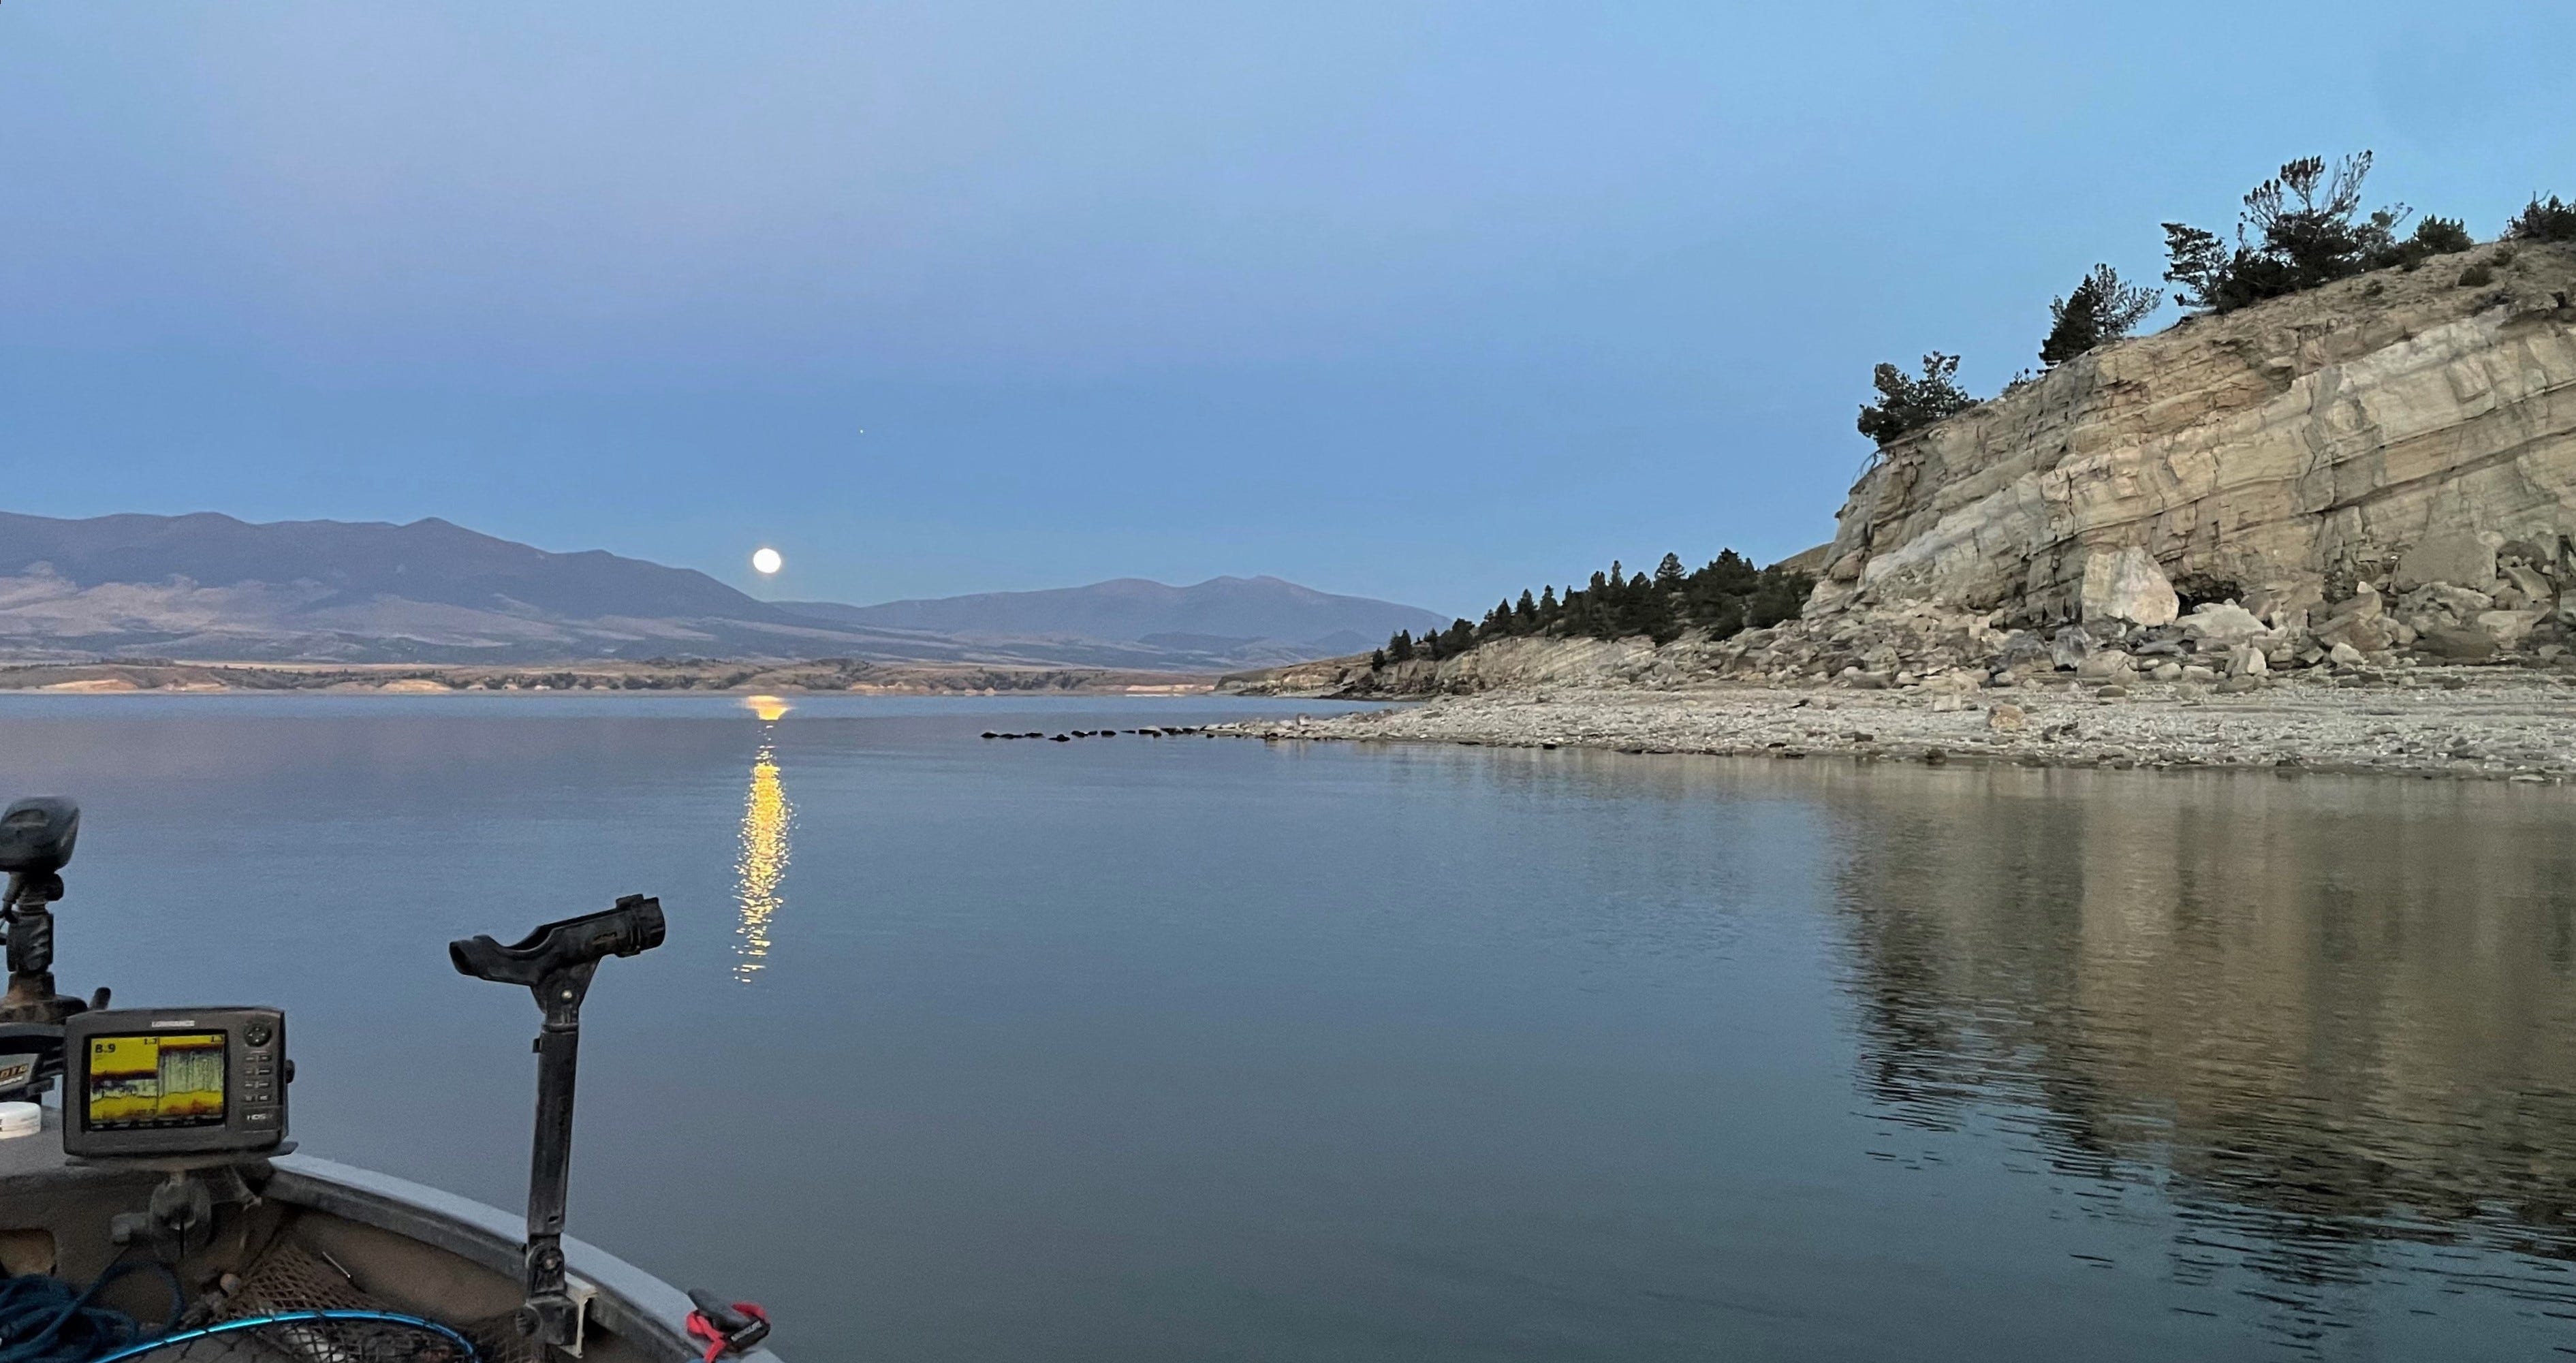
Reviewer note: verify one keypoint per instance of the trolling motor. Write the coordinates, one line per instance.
(556, 962)
(36, 840)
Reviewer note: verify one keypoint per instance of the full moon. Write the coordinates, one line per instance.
(767, 561)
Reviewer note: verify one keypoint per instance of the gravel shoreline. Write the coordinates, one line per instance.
(2466, 723)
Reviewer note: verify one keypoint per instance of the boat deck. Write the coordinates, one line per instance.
(323, 1235)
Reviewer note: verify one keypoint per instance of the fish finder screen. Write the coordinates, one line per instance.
(156, 1081)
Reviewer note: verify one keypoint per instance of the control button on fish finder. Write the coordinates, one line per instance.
(256, 1034)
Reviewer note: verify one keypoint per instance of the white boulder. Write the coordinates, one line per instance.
(2126, 584)
(2222, 623)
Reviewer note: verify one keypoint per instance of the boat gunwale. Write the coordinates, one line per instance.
(625, 1300)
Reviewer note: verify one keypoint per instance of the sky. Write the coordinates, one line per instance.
(1422, 301)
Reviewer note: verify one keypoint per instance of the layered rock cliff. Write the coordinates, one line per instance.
(2396, 429)
(2381, 468)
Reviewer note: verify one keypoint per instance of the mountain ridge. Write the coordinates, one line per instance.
(1138, 609)
(213, 587)
(362, 556)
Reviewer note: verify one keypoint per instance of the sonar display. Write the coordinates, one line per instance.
(155, 1081)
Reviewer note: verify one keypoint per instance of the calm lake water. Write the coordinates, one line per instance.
(1190, 1049)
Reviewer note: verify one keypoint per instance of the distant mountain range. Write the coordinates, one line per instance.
(208, 587)
(1220, 614)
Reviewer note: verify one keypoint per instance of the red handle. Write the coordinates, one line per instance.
(717, 1343)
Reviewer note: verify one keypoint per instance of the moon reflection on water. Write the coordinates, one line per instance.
(761, 865)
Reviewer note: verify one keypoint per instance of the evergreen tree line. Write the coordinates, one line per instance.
(1725, 596)
(2301, 228)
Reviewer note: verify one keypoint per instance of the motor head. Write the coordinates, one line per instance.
(37, 834)
(633, 926)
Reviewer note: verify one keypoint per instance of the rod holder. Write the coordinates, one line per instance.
(556, 963)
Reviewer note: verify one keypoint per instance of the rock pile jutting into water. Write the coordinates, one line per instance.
(1174, 731)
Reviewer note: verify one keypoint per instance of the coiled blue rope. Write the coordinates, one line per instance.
(42, 1320)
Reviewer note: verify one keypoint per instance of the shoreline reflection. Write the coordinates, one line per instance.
(2320, 1027)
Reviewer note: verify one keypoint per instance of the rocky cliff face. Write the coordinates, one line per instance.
(2399, 429)
(2335, 480)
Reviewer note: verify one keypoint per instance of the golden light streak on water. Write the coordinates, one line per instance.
(767, 818)
(770, 709)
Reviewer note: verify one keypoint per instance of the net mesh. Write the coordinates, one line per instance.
(290, 1278)
(327, 1341)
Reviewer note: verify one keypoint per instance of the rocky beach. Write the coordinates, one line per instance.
(2487, 724)
(2451, 684)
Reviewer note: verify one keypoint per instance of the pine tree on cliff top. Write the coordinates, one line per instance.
(2299, 229)
(2100, 309)
(1907, 404)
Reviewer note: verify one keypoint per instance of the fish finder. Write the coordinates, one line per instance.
(164, 1082)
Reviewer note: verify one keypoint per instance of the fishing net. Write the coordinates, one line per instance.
(296, 1306)
(309, 1337)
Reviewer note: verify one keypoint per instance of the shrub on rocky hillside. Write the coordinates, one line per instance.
(2434, 236)
(2544, 220)
(1909, 404)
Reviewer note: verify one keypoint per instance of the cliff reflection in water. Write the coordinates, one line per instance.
(767, 818)
(2329, 1020)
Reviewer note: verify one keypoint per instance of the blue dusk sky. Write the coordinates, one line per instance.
(1423, 301)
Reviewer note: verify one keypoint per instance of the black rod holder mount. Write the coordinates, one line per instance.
(556, 962)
